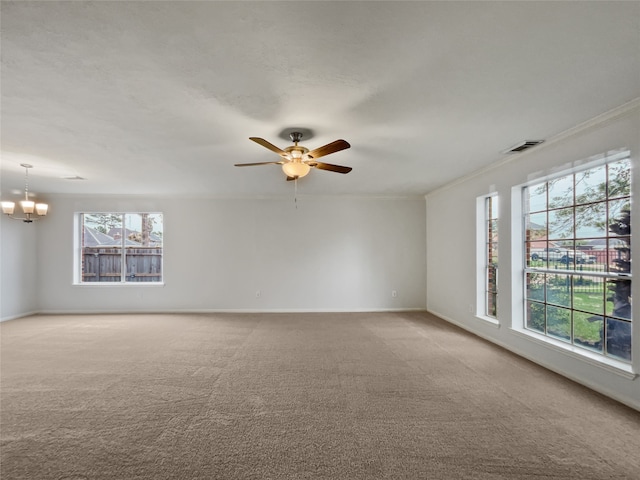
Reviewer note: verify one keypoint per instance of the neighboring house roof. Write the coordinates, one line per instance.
(602, 242)
(542, 243)
(154, 239)
(95, 238)
(535, 226)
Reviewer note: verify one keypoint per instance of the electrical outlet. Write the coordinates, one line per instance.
(394, 293)
(471, 308)
(258, 293)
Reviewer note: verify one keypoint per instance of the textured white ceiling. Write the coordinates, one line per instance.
(161, 97)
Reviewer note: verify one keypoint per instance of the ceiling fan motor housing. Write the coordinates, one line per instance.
(296, 153)
(295, 137)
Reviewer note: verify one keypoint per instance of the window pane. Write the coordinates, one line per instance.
(494, 207)
(535, 254)
(561, 223)
(620, 178)
(590, 258)
(619, 222)
(562, 257)
(619, 298)
(492, 304)
(492, 230)
(561, 192)
(101, 247)
(536, 226)
(492, 279)
(535, 316)
(598, 256)
(492, 257)
(559, 322)
(590, 185)
(536, 198)
(588, 294)
(620, 255)
(536, 286)
(587, 330)
(143, 247)
(619, 339)
(591, 220)
(493, 253)
(559, 290)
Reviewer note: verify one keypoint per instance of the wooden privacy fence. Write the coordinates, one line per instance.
(104, 264)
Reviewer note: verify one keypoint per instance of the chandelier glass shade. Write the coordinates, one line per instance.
(29, 207)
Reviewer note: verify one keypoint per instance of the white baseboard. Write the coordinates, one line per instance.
(19, 315)
(628, 401)
(225, 310)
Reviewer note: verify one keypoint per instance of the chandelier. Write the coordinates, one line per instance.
(29, 207)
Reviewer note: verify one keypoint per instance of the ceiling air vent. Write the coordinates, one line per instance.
(522, 146)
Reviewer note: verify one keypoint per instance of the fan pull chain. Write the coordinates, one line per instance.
(295, 194)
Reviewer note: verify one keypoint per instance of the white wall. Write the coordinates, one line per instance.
(332, 253)
(341, 254)
(451, 247)
(19, 294)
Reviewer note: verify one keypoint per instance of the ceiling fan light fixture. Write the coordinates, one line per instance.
(296, 169)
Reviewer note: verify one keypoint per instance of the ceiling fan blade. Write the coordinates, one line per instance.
(270, 146)
(254, 164)
(329, 148)
(331, 168)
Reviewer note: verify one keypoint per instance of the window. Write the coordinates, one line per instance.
(491, 256)
(577, 265)
(120, 247)
(487, 257)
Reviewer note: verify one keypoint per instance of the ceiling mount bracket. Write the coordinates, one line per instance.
(295, 137)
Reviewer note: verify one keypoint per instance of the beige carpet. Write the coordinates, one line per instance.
(293, 396)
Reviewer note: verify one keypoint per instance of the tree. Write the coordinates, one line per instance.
(104, 222)
(617, 183)
(598, 198)
(147, 228)
(619, 332)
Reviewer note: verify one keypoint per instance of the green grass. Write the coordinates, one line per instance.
(586, 326)
(590, 302)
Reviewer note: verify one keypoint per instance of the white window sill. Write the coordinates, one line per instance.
(490, 320)
(119, 284)
(609, 364)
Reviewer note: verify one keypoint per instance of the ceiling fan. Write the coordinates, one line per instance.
(297, 160)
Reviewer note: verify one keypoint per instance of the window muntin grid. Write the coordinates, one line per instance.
(577, 258)
(120, 248)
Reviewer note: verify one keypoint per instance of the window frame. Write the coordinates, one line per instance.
(124, 279)
(520, 269)
(483, 243)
